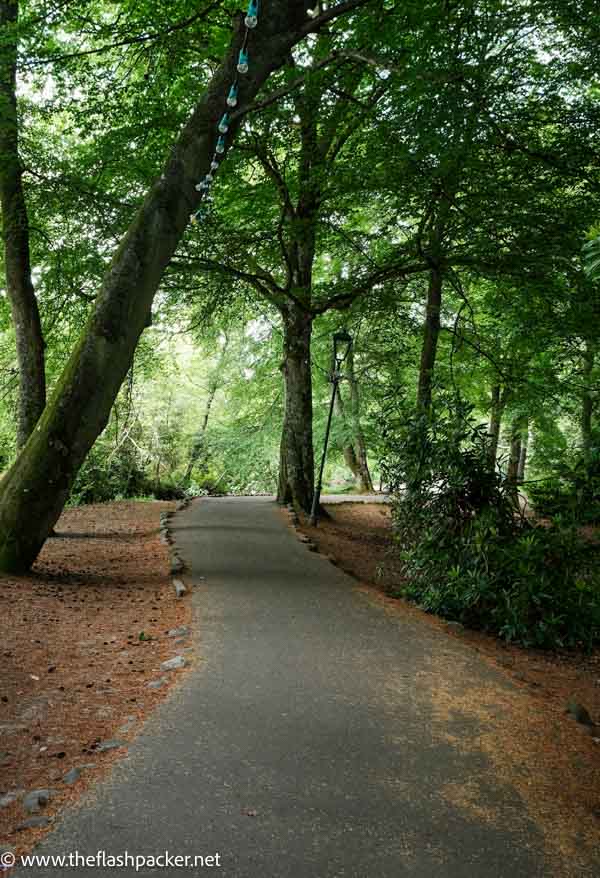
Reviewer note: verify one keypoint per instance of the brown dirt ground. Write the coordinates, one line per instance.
(74, 670)
(533, 745)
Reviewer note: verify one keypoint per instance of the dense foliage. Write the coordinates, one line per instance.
(469, 552)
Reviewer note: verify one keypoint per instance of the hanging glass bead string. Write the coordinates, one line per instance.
(250, 21)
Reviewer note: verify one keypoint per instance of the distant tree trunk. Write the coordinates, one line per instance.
(296, 476)
(354, 451)
(523, 454)
(498, 404)
(431, 331)
(360, 448)
(15, 228)
(198, 448)
(587, 401)
(516, 444)
(37, 486)
(347, 446)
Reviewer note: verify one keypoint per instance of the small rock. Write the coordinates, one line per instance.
(177, 565)
(579, 713)
(72, 776)
(179, 587)
(174, 664)
(11, 728)
(182, 631)
(109, 745)
(34, 823)
(455, 626)
(36, 799)
(156, 684)
(8, 799)
(104, 712)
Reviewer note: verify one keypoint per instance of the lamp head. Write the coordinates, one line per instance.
(342, 342)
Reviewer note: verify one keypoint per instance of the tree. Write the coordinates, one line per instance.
(36, 487)
(15, 231)
(278, 216)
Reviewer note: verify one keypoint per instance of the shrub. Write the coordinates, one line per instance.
(467, 552)
(106, 476)
(168, 489)
(571, 492)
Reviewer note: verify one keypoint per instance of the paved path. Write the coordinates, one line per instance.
(302, 745)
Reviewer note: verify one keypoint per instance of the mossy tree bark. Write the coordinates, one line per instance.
(36, 488)
(15, 232)
(431, 332)
(296, 478)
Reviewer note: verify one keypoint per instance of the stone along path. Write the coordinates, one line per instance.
(305, 741)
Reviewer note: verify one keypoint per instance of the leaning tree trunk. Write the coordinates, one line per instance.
(296, 474)
(431, 332)
(36, 488)
(15, 229)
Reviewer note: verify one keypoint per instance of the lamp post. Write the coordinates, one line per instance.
(342, 343)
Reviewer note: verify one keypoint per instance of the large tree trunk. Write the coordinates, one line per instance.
(36, 488)
(296, 473)
(431, 331)
(15, 228)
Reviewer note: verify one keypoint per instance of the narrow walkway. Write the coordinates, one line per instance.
(302, 744)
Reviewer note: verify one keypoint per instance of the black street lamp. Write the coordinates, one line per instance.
(342, 343)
